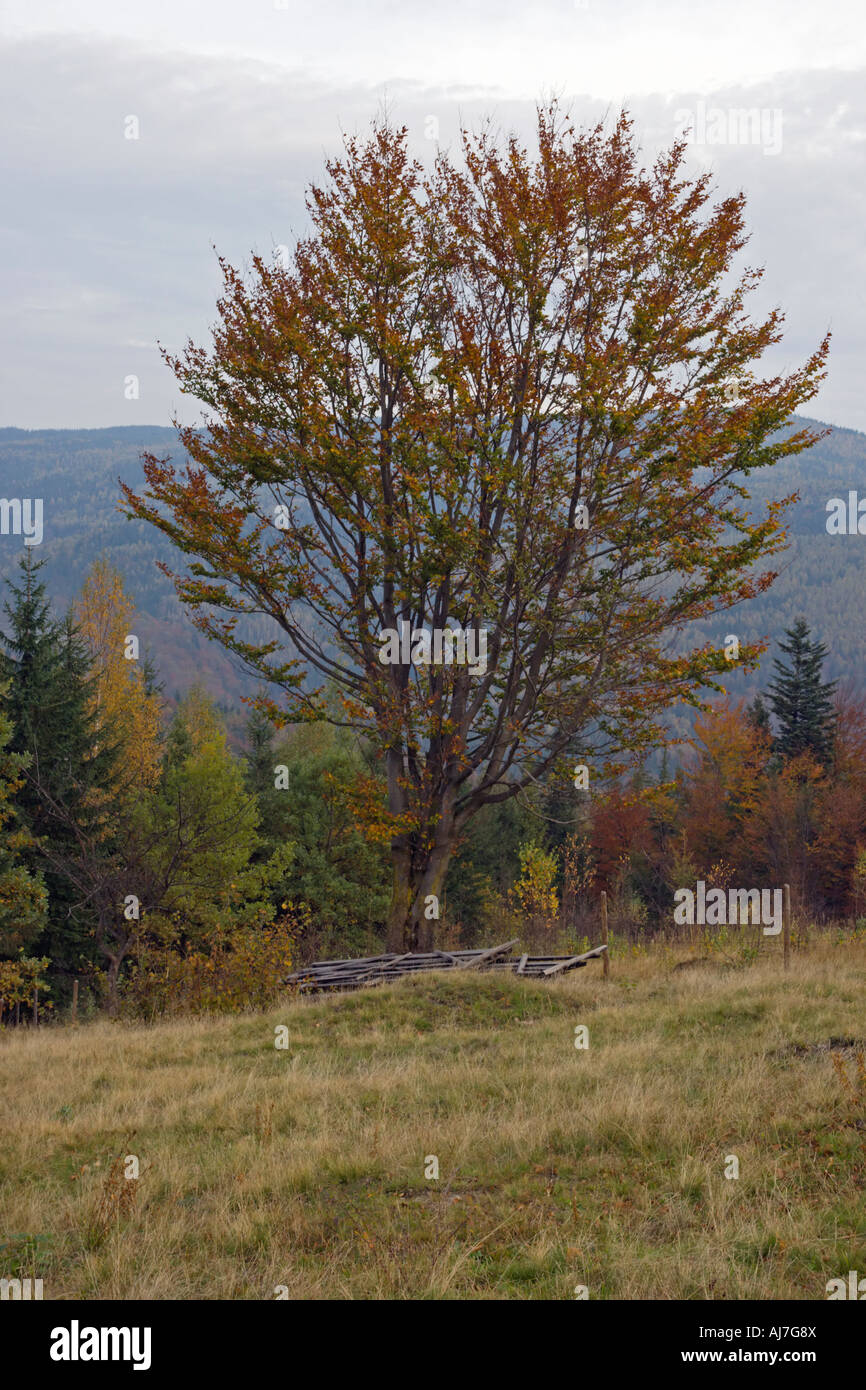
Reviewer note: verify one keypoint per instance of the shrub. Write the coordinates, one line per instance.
(19, 981)
(237, 970)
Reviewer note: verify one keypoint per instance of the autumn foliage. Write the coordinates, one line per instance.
(737, 813)
(494, 394)
(124, 708)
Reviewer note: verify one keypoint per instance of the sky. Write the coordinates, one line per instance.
(138, 138)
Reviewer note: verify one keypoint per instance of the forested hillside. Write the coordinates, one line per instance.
(76, 472)
(821, 576)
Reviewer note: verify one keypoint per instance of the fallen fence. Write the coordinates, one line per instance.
(376, 970)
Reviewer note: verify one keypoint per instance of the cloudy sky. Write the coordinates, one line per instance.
(106, 241)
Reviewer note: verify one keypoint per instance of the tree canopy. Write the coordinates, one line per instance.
(514, 395)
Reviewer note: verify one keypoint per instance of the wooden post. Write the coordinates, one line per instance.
(604, 936)
(74, 1001)
(35, 1008)
(786, 926)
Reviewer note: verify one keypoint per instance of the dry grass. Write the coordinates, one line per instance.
(304, 1168)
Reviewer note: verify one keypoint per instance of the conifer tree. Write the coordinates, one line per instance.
(801, 702)
(22, 894)
(49, 705)
(260, 760)
(759, 716)
(198, 829)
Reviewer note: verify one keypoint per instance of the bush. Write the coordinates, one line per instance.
(239, 970)
(19, 980)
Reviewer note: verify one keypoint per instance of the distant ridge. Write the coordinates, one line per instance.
(75, 472)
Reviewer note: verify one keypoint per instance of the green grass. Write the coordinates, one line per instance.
(305, 1167)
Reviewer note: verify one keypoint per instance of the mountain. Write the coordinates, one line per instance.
(75, 472)
(821, 576)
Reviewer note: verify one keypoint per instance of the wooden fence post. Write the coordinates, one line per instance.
(35, 1007)
(604, 935)
(74, 1001)
(786, 927)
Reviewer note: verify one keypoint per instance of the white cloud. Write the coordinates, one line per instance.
(105, 243)
(607, 48)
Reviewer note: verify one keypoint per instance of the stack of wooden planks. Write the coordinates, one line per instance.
(375, 970)
(542, 967)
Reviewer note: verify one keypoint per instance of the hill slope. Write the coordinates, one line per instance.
(304, 1168)
(76, 471)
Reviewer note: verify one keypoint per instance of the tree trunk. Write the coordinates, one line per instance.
(114, 964)
(421, 925)
(416, 879)
(401, 899)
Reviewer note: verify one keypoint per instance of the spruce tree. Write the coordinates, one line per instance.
(259, 777)
(759, 716)
(260, 759)
(22, 894)
(69, 770)
(800, 701)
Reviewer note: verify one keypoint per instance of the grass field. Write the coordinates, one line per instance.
(303, 1168)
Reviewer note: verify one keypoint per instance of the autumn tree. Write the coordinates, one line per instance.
(837, 852)
(126, 710)
(515, 394)
(725, 779)
(620, 829)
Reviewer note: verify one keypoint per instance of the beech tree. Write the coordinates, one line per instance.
(515, 394)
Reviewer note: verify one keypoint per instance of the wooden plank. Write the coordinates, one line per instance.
(489, 955)
(345, 970)
(349, 961)
(522, 966)
(570, 961)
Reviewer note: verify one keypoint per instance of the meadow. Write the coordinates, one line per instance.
(303, 1171)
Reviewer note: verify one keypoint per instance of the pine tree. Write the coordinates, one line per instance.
(259, 775)
(259, 753)
(801, 703)
(49, 705)
(153, 686)
(759, 716)
(22, 894)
